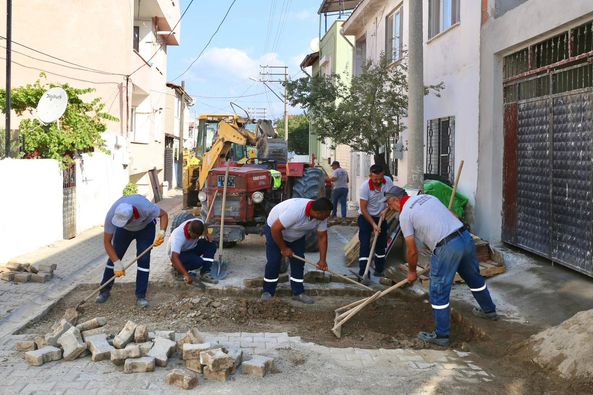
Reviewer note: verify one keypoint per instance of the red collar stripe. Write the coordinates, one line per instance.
(136, 212)
(186, 231)
(308, 209)
(403, 201)
(372, 186)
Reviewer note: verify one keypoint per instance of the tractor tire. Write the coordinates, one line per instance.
(181, 218)
(310, 186)
(274, 149)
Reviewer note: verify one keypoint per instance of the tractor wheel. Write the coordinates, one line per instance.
(310, 186)
(274, 149)
(181, 218)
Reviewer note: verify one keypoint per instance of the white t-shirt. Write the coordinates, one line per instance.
(341, 178)
(179, 241)
(426, 218)
(292, 215)
(374, 197)
(144, 213)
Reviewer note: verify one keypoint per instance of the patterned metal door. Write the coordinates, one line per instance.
(69, 202)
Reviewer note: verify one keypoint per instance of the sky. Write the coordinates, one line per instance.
(256, 32)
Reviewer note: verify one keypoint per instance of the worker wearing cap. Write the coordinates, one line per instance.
(286, 229)
(339, 180)
(371, 208)
(425, 218)
(131, 218)
(190, 248)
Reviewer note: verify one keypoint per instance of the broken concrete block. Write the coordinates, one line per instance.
(141, 334)
(216, 360)
(165, 334)
(237, 355)
(221, 375)
(194, 365)
(72, 344)
(71, 315)
(43, 355)
(27, 345)
(125, 335)
(40, 341)
(58, 329)
(7, 276)
(44, 267)
(139, 365)
(192, 351)
(16, 266)
(99, 347)
(95, 323)
(22, 277)
(92, 332)
(39, 278)
(118, 357)
(192, 336)
(162, 350)
(182, 378)
(145, 348)
(257, 366)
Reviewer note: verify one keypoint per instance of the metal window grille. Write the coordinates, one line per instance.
(440, 147)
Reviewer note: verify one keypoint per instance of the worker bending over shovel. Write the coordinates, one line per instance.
(190, 248)
(131, 218)
(286, 228)
(453, 251)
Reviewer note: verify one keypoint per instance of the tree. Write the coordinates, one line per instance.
(79, 130)
(298, 133)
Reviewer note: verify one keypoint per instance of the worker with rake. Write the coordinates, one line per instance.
(425, 218)
(131, 218)
(286, 229)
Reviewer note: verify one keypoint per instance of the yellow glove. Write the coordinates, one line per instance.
(160, 238)
(118, 269)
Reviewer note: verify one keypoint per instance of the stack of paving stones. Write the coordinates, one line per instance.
(26, 272)
(138, 351)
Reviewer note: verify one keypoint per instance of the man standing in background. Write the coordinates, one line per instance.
(340, 181)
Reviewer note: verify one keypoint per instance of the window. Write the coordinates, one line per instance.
(360, 55)
(442, 14)
(393, 39)
(136, 43)
(440, 148)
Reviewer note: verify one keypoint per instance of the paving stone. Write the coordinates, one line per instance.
(58, 329)
(316, 276)
(40, 341)
(192, 351)
(40, 277)
(162, 350)
(125, 335)
(92, 332)
(43, 355)
(27, 345)
(22, 277)
(99, 347)
(72, 344)
(95, 323)
(71, 315)
(193, 336)
(145, 347)
(16, 266)
(237, 355)
(118, 357)
(7, 276)
(194, 365)
(165, 334)
(141, 334)
(221, 375)
(216, 360)
(257, 366)
(139, 365)
(182, 378)
(45, 267)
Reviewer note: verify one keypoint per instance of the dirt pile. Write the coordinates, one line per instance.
(567, 347)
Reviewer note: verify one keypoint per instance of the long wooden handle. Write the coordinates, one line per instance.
(455, 184)
(211, 207)
(334, 273)
(372, 253)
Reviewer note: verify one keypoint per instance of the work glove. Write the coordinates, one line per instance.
(118, 269)
(160, 238)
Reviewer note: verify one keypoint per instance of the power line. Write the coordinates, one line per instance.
(209, 41)
(161, 45)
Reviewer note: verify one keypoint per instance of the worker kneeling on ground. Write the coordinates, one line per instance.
(190, 249)
(131, 218)
(453, 251)
(286, 228)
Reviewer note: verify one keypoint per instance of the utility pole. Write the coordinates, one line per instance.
(181, 137)
(415, 96)
(266, 76)
(8, 75)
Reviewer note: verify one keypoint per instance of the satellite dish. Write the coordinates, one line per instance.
(314, 44)
(52, 105)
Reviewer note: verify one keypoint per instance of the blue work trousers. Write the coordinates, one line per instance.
(274, 260)
(199, 257)
(340, 195)
(456, 256)
(365, 237)
(122, 238)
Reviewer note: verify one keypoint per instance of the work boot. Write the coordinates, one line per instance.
(266, 296)
(431, 337)
(306, 299)
(207, 278)
(378, 274)
(142, 302)
(102, 297)
(478, 312)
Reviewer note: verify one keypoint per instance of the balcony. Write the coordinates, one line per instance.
(165, 13)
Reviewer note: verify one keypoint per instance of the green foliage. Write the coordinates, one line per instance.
(79, 128)
(298, 133)
(130, 189)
